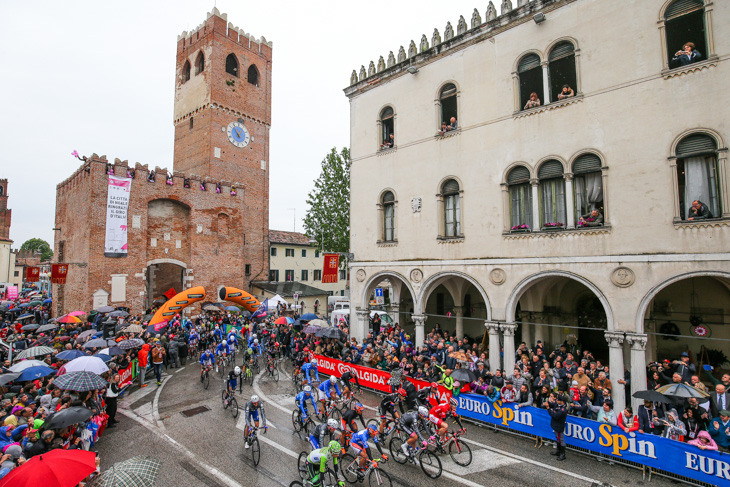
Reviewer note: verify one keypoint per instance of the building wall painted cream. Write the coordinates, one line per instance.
(310, 263)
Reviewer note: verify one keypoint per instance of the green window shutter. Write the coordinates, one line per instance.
(682, 7)
(518, 175)
(562, 50)
(528, 62)
(696, 144)
(587, 163)
(550, 169)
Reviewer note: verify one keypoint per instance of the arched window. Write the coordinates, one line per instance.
(387, 128)
(520, 197)
(698, 177)
(684, 23)
(561, 70)
(253, 75)
(199, 63)
(552, 194)
(388, 203)
(447, 99)
(530, 75)
(232, 65)
(186, 72)
(587, 185)
(452, 208)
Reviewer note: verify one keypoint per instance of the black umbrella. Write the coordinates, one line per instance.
(463, 375)
(115, 351)
(67, 417)
(118, 314)
(48, 327)
(31, 327)
(105, 309)
(652, 396)
(331, 333)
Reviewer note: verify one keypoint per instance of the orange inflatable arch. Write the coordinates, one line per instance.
(240, 297)
(177, 304)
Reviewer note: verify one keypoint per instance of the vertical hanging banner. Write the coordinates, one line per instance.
(117, 203)
(32, 274)
(59, 273)
(331, 266)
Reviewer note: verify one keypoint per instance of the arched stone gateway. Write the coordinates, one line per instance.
(399, 300)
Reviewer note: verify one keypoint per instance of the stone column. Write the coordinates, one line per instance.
(616, 366)
(508, 332)
(535, 205)
(420, 321)
(637, 341)
(394, 312)
(527, 335)
(569, 204)
(459, 313)
(545, 83)
(494, 359)
(538, 318)
(360, 326)
(675, 184)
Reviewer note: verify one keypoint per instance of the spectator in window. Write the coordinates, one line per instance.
(566, 92)
(388, 142)
(591, 219)
(452, 124)
(687, 55)
(444, 128)
(533, 102)
(699, 211)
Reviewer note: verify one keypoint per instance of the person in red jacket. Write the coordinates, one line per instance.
(142, 357)
(628, 421)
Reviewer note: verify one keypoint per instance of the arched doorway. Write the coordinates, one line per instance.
(316, 306)
(396, 299)
(162, 277)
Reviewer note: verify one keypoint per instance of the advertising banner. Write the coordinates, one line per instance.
(128, 374)
(59, 273)
(117, 203)
(654, 451)
(331, 267)
(12, 292)
(32, 274)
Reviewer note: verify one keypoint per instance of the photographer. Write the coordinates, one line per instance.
(558, 415)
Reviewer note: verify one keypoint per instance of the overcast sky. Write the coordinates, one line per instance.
(98, 76)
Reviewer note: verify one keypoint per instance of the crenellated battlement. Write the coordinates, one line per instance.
(187, 40)
(465, 33)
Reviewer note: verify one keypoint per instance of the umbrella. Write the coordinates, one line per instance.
(68, 319)
(320, 323)
(25, 316)
(34, 352)
(139, 471)
(77, 313)
(104, 357)
(47, 327)
(133, 329)
(80, 381)
(6, 378)
(281, 321)
(31, 327)
(112, 351)
(118, 314)
(681, 390)
(33, 373)
(92, 364)
(652, 396)
(131, 343)
(48, 301)
(459, 356)
(56, 468)
(210, 307)
(24, 364)
(105, 309)
(463, 375)
(232, 309)
(35, 303)
(70, 354)
(158, 300)
(85, 334)
(67, 417)
(331, 333)
(312, 329)
(309, 317)
(98, 343)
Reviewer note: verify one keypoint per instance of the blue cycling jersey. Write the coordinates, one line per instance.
(361, 438)
(221, 348)
(217, 334)
(301, 400)
(309, 366)
(326, 385)
(207, 358)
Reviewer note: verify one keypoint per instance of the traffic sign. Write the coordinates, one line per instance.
(379, 296)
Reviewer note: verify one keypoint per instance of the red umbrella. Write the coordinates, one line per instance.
(68, 319)
(281, 321)
(57, 468)
(77, 313)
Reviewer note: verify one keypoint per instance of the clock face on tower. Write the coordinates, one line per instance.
(238, 134)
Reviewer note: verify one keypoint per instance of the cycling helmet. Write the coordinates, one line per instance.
(402, 392)
(358, 407)
(373, 428)
(453, 402)
(255, 399)
(423, 411)
(314, 361)
(276, 344)
(237, 370)
(253, 336)
(256, 341)
(249, 351)
(332, 423)
(335, 447)
(434, 385)
(307, 389)
(333, 378)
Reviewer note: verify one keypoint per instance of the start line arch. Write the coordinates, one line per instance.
(191, 296)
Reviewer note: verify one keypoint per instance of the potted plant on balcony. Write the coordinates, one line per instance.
(521, 228)
(552, 226)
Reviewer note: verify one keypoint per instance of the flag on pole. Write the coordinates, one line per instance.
(262, 310)
(331, 266)
(170, 293)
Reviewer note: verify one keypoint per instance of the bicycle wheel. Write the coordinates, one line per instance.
(349, 468)
(223, 400)
(249, 377)
(430, 464)
(395, 450)
(276, 374)
(460, 453)
(295, 421)
(206, 381)
(302, 465)
(379, 478)
(374, 421)
(234, 407)
(309, 425)
(256, 451)
(336, 414)
(296, 483)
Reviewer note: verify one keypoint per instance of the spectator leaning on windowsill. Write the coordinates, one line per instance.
(566, 92)
(699, 211)
(591, 219)
(687, 55)
(533, 102)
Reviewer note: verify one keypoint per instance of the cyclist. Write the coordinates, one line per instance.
(217, 334)
(207, 360)
(193, 340)
(299, 360)
(360, 446)
(251, 411)
(324, 390)
(439, 413)
(317, 463)
(271, 353)
(301, 401)
(349, 417)
(411, 393)
(428, 396)
(255, 347)
(346, 378)
(232, 382)
(232, 338)
(387, 405)
(310, 366)
(412, 423)
(316, 438)
(222, 350)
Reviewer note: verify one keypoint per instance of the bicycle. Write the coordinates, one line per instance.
(429, 462)
(376, 476)
(390, 426)
(330, 410)
(330, 479)
(253, 442)
(221, 366)
(459, 451)
(230, 401)
(248, 376)
(206, 378)
(301, 425)
(272, 370)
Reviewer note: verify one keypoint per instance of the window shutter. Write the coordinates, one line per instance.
(682, 7)
(518, 175)
(696, 144)
(587, 163)
(550, 169)
(388, 197)
(562, 50)
(387, 113)
(447, 91)
(528, 62)
(450, 187)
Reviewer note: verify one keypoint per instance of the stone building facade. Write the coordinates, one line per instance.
(489, 235)
(7, 255)
(209, 227)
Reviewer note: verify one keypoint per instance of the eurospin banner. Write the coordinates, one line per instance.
(654, 451)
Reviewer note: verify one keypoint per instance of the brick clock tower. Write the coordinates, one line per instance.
(5, 212)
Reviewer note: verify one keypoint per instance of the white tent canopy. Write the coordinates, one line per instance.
(276, 300)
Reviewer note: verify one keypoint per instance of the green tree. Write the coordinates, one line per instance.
(38, 245)
(328, 216)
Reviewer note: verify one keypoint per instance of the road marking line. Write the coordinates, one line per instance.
(279, 447)
(156, 402)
